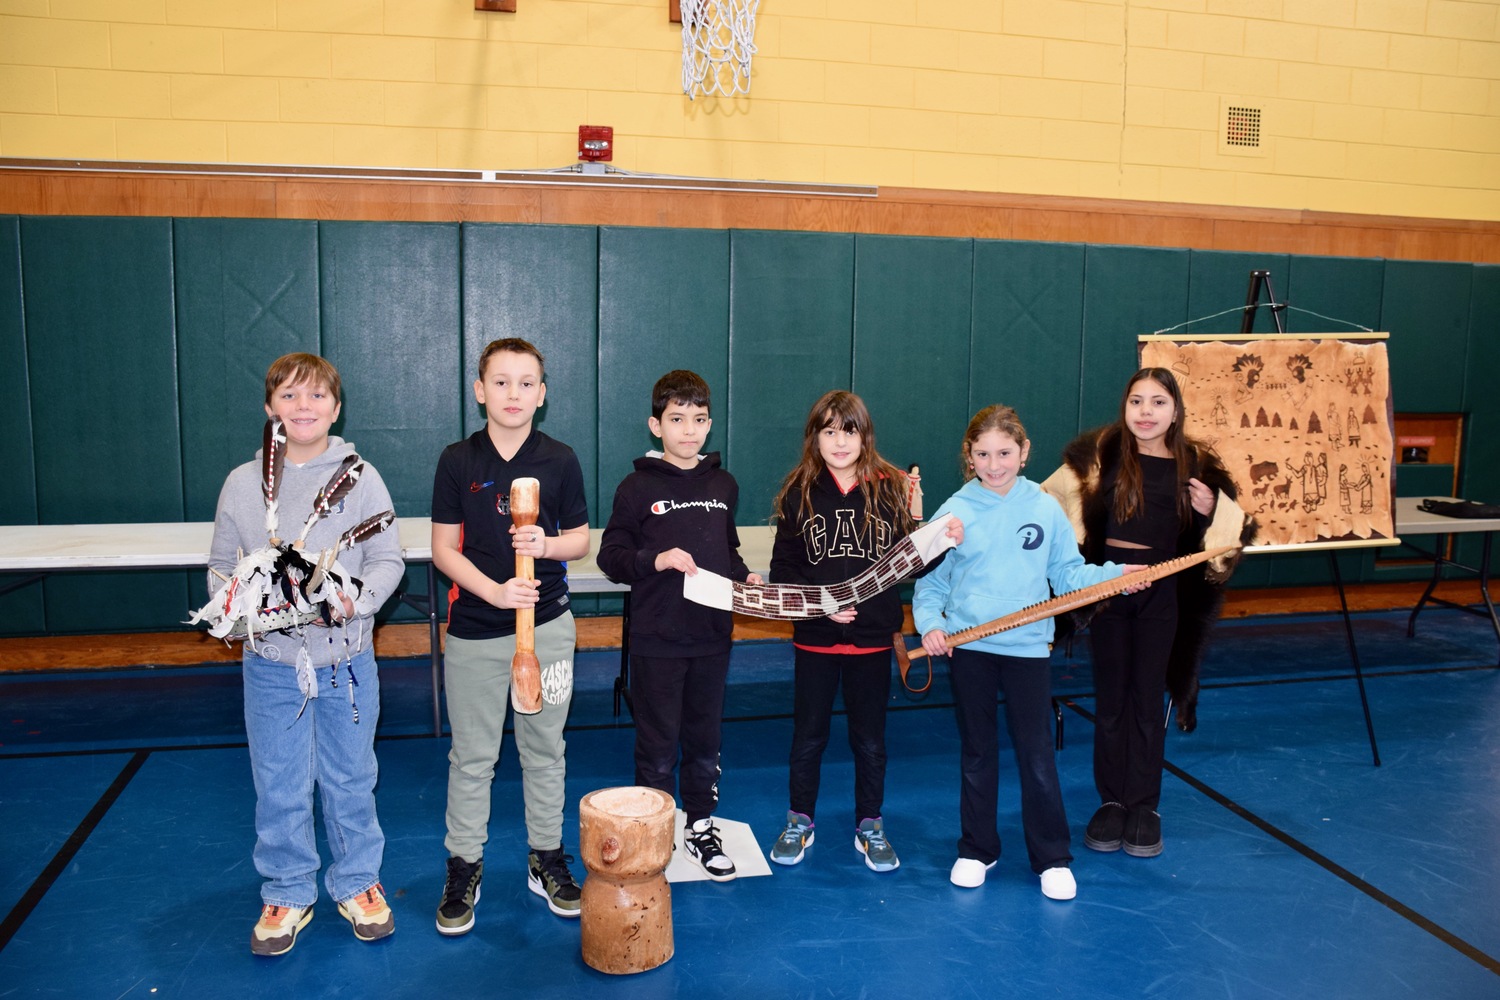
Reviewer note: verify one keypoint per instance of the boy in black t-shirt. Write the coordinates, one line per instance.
(673, 515)
(475, 544)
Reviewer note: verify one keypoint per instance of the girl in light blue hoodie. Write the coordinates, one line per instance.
(1017, 543)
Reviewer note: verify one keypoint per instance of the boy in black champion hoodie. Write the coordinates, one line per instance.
(675, 514)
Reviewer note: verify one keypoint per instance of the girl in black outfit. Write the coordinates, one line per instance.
(1146, 492)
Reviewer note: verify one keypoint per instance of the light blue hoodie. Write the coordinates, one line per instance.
(1013, 547)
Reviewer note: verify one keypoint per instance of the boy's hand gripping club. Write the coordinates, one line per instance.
(525, 670)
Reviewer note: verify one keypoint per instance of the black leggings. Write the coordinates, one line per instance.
(866, 683)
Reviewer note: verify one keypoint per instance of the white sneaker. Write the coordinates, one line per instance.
(1058, 883)
(968, 873)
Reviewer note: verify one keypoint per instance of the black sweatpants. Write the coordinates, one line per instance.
(1131, 639)
(679, 702)
(978, 679)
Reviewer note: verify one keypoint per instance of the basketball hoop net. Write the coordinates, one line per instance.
(718, 39)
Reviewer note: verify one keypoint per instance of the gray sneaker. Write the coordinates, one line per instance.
(870, 841)
(794, 840)
(455, 913)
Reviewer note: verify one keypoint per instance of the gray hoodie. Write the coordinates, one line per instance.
(240, 524)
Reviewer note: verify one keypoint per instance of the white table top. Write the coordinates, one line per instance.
(1412, 520)
(60, 547)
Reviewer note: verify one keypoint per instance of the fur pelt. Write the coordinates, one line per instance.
(1092, 460)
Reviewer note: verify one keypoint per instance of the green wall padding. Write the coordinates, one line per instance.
(791, 339)
(1127, 291)
(101, 347)
(1028, 341)
(540, 283)
(21, 609)
(912, 306)
(247, 293)
(1344, 292)
(391, 326)
(1219, 280)
(663, 304)
(133, 353)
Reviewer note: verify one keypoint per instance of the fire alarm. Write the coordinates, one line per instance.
(596, 142)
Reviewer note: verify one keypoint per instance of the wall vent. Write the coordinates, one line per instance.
(1242, 127)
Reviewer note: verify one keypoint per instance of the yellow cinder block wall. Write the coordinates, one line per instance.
(1369, 106)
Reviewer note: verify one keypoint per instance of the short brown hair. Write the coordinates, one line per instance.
(511, 345)
(682, 387)
(295, 369)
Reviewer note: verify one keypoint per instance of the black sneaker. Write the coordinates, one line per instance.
(704, 846)
(547, 875)
(455, 914)
(1106, 830)
(1143, 833)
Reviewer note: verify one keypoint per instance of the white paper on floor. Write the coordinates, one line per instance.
(739, 843)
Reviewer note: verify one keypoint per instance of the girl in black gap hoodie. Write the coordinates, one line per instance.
(839, 511)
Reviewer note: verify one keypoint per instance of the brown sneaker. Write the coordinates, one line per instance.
(371, 918)
(276, 930)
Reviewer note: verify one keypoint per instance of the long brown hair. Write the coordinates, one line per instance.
(881, 484)
(1130, 490)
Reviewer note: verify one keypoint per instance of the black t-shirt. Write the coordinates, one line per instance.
(472, 489)
(1157, 524)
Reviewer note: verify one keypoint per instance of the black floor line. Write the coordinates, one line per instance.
(1328, 864)
(33, 895)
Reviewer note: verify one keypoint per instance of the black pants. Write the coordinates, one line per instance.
(679, 702)
(978, 679)
(866, 682)
(1131, 639)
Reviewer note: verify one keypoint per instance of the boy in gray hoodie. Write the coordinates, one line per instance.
(327, 739)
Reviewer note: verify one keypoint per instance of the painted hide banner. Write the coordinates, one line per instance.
(1303, 422)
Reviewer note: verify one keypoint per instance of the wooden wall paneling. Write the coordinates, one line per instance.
(100, 340)
(791, 339)
(913, 302)
(21, 609)
(1028, 341)
(41, 187)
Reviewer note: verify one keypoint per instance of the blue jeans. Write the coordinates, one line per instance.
(326, 747)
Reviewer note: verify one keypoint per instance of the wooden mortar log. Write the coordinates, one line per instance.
(625, 841)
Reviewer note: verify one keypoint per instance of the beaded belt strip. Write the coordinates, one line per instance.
(791, 601)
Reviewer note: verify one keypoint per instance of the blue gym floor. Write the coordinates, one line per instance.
(1293, 866)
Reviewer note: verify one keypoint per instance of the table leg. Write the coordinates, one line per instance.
(622, 682)
(1484, 584)
(1437, 574)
